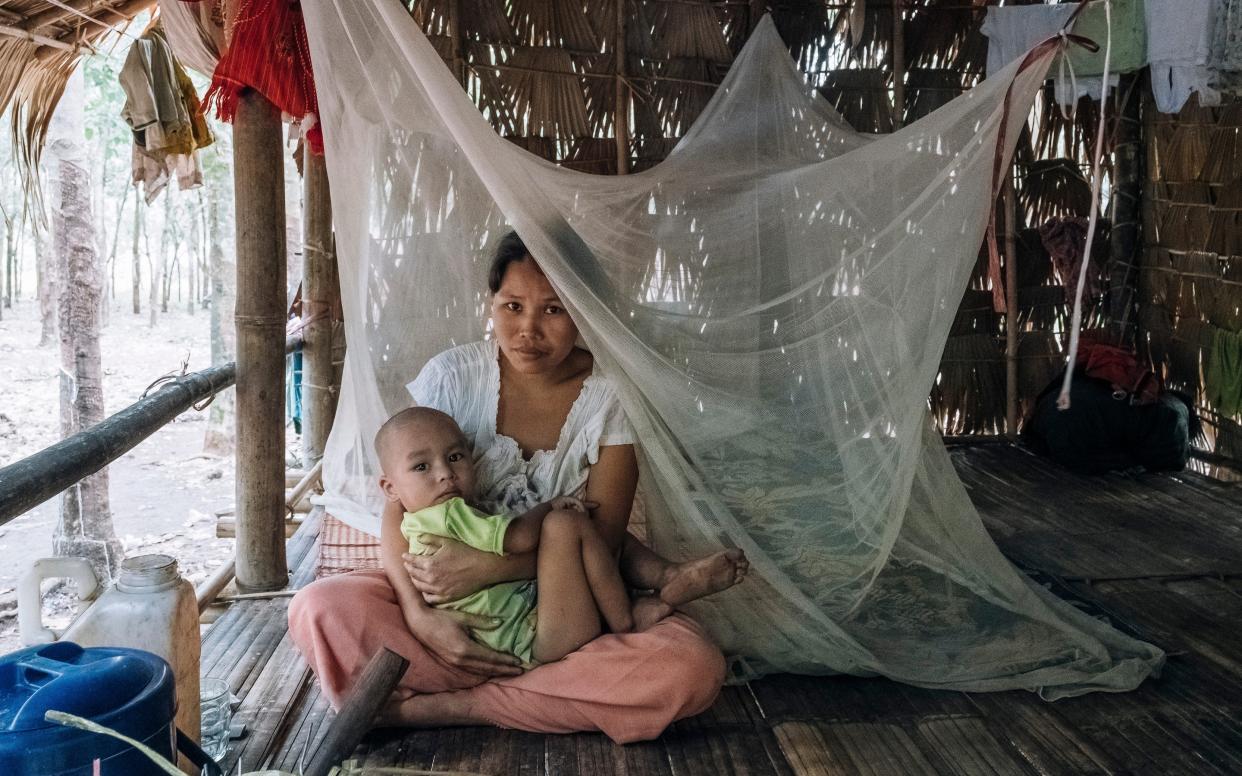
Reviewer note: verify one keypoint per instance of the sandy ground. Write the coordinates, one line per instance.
(164, 492)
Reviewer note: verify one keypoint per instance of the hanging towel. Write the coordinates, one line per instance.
(1222, 378)
(1179, 48)
(1013, 30)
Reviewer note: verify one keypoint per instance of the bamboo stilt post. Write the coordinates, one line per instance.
(899, 64)
(1125, 245)
(1011, 310)
(320, 287)
(258, 180)
(621, 117)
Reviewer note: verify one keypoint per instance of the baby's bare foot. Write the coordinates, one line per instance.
(694, 579)
(648, 610)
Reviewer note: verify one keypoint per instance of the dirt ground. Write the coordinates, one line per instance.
(164, 492)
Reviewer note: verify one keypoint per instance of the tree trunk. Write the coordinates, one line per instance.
(137, 274)
(166, 262)
(6, 289)
(85, 527)
(46, 269)
(10, 260)
(192, 263)
(157, 278)
(219, 438)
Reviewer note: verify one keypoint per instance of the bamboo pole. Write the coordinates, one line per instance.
(14, 32)
(1125, 243)
(621, 116)
(1011, 311)
(121, 14)
(899, 64)
(320, 289)
(258, 180)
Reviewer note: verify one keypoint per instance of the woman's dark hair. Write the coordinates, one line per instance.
(510, 249)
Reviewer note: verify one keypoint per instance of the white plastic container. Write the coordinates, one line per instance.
(151, 607)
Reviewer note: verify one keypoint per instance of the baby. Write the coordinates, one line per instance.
(427, 467)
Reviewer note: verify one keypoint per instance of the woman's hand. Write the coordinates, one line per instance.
(451, 570)
(572, 504)
(447, 634)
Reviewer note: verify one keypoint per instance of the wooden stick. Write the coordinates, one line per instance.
(14, 32)
(621, 114)
(1011, 311)
(119, 14)
(320, 288)
(312, 477)
(357, 714)
(258, 180)
(899, 64)
(210, 589)
(1125, 247)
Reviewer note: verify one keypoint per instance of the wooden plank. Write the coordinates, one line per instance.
(969, 748)
(808, 752)
(1039, 735)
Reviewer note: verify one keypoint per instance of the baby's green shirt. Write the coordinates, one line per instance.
(513, 603)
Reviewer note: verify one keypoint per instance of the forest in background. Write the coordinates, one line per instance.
(160, 265)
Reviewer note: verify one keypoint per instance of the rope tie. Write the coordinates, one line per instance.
(1063, 399)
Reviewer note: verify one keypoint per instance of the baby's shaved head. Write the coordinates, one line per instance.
(412, 423)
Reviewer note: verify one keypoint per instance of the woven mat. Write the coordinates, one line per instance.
(342, 549)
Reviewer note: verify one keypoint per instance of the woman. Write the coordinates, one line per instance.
(543, 424)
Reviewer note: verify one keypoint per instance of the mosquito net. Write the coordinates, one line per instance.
(771, 302)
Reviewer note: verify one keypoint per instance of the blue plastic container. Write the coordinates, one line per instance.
(127, 690)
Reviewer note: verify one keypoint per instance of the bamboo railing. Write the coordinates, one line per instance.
(37, 478)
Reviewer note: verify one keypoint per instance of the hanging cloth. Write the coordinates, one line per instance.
(195, 30)
(1226, 62)
(267, 52)
(1065, 237)
(770, 304)
(1222, 377)
(164, 112)
(1179, 48)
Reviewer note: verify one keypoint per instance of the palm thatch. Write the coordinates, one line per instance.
(40, 45)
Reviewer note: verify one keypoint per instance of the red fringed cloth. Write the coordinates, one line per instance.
(268, 53)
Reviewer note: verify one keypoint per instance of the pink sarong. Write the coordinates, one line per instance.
(629, 687)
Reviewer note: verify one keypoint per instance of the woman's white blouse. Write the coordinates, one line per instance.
(465, 383)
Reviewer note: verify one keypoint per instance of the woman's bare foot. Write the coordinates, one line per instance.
(648, 610)
(694, 579)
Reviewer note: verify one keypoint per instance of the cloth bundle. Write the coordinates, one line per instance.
(164, 112)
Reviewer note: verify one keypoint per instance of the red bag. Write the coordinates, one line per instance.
(1120, 368)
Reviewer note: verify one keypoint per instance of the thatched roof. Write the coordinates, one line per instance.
(40, 44)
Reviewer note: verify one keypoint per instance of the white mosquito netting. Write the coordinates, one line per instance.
(771, 302)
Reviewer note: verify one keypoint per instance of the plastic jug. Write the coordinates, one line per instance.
(151, 607)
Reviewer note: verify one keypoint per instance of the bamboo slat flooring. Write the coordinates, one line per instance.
(1159, 555)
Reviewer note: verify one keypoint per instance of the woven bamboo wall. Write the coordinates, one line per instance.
(555, 93)
(1190, 289)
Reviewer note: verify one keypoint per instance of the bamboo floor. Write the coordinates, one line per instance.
(1159, 555)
